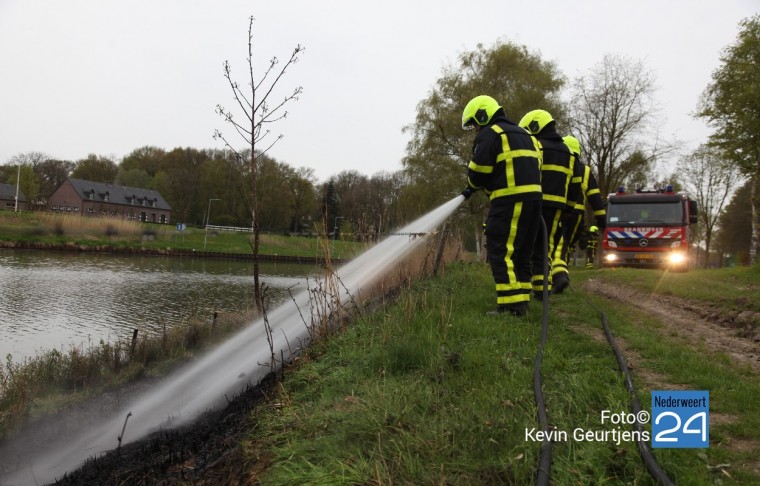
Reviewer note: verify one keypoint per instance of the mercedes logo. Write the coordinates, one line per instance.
(643, 242)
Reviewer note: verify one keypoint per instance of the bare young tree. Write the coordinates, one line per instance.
(613, 114)
(259, 112)
(707, 176)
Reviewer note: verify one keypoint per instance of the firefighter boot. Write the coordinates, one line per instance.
(519, 310)
(560, 283)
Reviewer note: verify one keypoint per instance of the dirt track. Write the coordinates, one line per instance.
(737, 334)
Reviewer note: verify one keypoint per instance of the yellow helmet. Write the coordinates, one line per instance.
(594, 229)
(573, 144)
(535, 121)
(479, 111)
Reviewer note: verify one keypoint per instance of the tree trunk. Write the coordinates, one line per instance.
(256, 229)
(755, 219)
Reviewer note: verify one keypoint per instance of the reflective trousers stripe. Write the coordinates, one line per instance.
(510, 234)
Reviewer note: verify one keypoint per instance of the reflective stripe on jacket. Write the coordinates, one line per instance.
(589, 192)
(556, 172)
(506, 162)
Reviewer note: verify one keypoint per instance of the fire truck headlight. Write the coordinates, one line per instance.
(610, 257)
(676, 258)
(676, 244)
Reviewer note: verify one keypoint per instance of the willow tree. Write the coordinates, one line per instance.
(439, 149)
(731, 106)
(614, 115)
(259, 111)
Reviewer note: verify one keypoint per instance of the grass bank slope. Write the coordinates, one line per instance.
(430, 390)
(41, 229)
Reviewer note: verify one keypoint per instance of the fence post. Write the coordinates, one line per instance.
(134, 343)
(441, 245)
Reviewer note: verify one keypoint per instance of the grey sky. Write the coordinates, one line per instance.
(107, 77)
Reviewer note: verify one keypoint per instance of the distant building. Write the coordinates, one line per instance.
(8, 198)
(89, 198)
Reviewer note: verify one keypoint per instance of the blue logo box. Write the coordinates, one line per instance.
(680, 419)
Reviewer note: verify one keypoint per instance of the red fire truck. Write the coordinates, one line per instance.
(648, 228)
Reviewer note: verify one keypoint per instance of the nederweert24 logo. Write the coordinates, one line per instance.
(680, 419)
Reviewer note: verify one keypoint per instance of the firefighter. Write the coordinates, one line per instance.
(593, 239)
(506, 164)
(588, 194)
(558, 199)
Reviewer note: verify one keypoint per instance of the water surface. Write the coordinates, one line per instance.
(56, 300)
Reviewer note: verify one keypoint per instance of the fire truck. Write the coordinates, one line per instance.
(648, 228)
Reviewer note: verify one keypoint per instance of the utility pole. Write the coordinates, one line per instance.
(18, 181)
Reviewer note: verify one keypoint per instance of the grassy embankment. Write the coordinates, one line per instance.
(428, 390)
(51, 229)
(53, 379)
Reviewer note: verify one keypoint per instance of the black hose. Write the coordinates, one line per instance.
(545, 456)
(652, 466)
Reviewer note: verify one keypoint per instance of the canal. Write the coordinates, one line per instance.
(59, 300)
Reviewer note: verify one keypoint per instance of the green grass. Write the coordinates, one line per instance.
(45, 228)
(736, 289)
(428, 390)
(53, 379)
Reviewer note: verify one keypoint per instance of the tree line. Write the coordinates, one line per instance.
(290, 199)
(612, 110)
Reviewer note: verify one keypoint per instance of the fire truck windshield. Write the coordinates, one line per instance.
(644, 213)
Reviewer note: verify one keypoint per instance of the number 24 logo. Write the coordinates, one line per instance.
(662, 435)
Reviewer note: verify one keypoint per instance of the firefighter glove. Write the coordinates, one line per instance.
(468, 191)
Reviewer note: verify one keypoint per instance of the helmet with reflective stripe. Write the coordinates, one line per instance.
(573, 144)
(479, 111)
(535, 121)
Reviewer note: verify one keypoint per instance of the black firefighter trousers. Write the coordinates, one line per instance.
(511, 231)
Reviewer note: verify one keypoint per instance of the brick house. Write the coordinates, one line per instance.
(87, 198)
(8, 198)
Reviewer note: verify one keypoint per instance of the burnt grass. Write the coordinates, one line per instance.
(205, 452)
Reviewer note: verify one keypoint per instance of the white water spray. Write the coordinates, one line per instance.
(226, 370)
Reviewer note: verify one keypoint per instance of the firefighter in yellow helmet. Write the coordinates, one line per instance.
(593, 239)
(588, 195)
(558, 198)
(506, 165)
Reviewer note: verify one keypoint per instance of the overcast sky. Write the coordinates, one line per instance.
(107, 76)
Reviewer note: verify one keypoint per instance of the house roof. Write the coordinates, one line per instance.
(117, 194)
(8, 191)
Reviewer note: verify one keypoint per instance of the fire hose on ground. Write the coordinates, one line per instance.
(545, 455)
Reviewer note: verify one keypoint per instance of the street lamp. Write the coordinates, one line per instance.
(208, 215)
